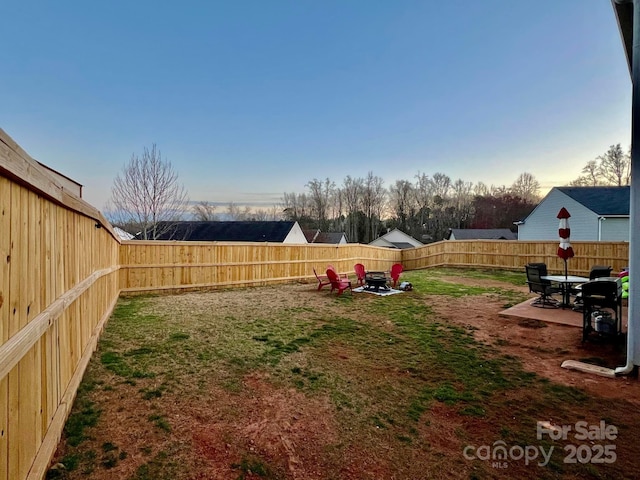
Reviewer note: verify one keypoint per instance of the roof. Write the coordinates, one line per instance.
(601, 200)
(310, 234)
(396, 238)
(123, 235)
(316, 236)
(402, 245)
(275, 231)
(482, 234)
(384, 242)
(329, 237)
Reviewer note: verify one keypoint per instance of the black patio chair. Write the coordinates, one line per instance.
(597, 271)
(544, 288)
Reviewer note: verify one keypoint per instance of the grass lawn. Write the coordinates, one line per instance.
(285, 382)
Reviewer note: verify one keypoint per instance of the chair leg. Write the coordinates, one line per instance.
(545, 300)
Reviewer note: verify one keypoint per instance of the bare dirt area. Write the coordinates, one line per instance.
(290, 383)
(542, 346)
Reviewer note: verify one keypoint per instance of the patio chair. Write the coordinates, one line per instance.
(543, 288)
(597, 271)
(396, 270)
(337, 282)
(360, 273)
(322, 279)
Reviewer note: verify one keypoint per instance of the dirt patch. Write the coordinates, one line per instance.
(542, 347)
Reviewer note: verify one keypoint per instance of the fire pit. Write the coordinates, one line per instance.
(376, 281)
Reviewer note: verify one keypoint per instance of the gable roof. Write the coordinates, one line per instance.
(310, 234)
(601, 200)
(122, 234)
(482, 234)
(396, 238)
(316, 236)
(329, 237)
(275, 231)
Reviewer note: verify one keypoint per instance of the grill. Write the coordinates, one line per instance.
(597, 295)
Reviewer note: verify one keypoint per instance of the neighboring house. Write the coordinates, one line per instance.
(277, 232)
(316, 236)
(481, 234)
(396, 239)
(122, 234)
(597, 214)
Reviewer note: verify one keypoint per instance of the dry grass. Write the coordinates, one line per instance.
(287, 382)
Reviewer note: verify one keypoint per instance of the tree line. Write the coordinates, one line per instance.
(146, 197)
(425, 208)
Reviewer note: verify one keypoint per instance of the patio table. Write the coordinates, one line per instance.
(565, 283)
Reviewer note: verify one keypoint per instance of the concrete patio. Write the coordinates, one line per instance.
(561, 316)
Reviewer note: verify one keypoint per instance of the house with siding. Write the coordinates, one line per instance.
(396, 239)
(597, 214)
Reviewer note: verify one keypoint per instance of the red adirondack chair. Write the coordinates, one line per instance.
(338, 283)
(360, 273)
(341, 275)
(396, 270)
(322, 279)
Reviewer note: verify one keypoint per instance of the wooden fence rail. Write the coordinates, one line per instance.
(63, 269)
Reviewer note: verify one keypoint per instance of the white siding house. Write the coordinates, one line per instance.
(396, 239)
(597, 214)
(295, 235)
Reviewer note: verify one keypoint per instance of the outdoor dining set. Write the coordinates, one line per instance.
(598, 297)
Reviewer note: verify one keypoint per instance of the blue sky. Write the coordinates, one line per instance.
(250, 99)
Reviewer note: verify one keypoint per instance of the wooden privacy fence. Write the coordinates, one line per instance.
(514, 254)
(176, 266)
(58, 285)
(63, 269)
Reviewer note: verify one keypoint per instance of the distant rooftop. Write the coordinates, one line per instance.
(275, 231)
(482, 234)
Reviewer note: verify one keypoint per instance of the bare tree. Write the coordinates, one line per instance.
(590, 171)
(402, 202)
(373, 203)
(611, 168)
(146, 195)
(204, 211)
(480, 189)
(462, 202)
(351, 194)
(235, 213)
(320, 193)
(424, 191)
(296, 207)
(615, 166)
(526, 187)
(441, 185)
